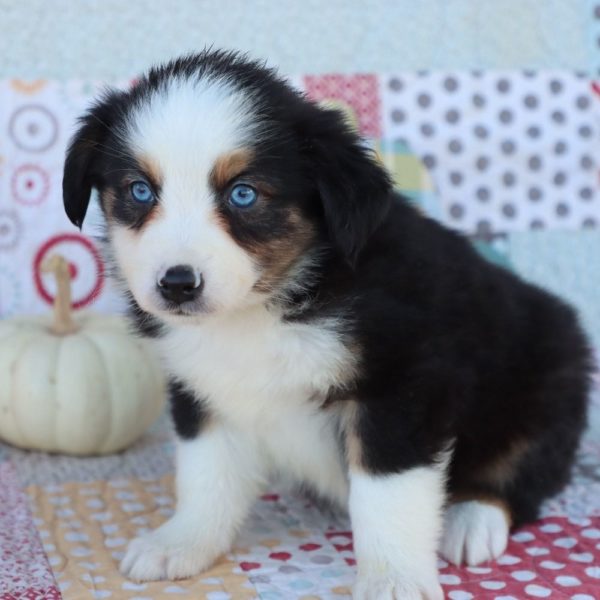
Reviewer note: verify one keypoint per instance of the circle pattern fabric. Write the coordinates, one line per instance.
(508, 151)
(33, 128)
(87, 269)
(30, 185)
(37, 119)
(10, 230)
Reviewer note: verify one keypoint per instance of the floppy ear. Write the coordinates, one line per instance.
(355, 191)
(79, 174)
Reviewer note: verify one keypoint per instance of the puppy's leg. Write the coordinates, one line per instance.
(218, 477)
(475, 531)
(396, 523)
(396, 513)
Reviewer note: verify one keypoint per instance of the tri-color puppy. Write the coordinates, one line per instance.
(314, 324)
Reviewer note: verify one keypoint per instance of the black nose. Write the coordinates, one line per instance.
(180, 284)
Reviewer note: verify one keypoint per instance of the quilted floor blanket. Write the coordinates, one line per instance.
(65, 522)
(511, 157)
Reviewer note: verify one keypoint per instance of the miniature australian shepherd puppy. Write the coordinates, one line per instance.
(314, 324)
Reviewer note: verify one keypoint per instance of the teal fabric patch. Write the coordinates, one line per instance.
(566, 263)
(493, 253)
(428, 202)
(592, 17)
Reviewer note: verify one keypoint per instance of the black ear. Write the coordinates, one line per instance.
(355, 190)
(80, 171)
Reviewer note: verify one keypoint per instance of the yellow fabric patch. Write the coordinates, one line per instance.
(85, 528)
(408, 172)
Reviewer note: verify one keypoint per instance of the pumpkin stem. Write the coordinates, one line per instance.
(63, 317)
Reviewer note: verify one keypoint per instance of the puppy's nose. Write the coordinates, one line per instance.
(180, 284)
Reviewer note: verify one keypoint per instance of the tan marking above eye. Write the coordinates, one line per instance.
(228, 166)
(151, 169)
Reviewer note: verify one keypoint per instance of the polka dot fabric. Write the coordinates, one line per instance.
(530, 567)
(289, 549)
(508, 151)
(85, 528)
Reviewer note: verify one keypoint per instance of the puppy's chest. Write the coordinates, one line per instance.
(256, 364)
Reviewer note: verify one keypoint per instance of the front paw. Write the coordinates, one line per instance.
(390, 586)
(166, 553)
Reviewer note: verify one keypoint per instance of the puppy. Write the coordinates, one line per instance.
(314, 324)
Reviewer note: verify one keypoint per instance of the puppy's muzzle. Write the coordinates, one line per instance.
(180, 284)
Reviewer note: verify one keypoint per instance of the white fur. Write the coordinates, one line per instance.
(262, 380)
(218, 477)
(267, 378)
(396, 520)
(183, 129)
(474, 532)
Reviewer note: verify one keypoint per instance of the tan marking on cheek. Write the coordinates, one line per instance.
(156, 212)
(228, 166)
(217, 218)
(277, 256)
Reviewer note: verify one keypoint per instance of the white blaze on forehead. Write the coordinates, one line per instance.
(185, 125)
(182, 128)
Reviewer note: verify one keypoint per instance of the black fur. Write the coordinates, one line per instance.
(144, 323)
(354, 191)
(82, 168)
(313, 162)
(458, 352)
(130, 213)
(187, 411)
(454, 352)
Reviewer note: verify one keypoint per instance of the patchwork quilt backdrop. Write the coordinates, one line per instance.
(508, 158)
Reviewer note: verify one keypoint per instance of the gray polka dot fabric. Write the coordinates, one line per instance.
(507, 151)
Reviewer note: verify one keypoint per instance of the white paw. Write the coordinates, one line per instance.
(392, 587)
(474, 532)
(166, 553)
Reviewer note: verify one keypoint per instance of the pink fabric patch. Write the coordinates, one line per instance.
(555, 558)
(24, 570)
(360, 92)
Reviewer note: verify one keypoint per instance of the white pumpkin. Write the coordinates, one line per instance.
(81, 385)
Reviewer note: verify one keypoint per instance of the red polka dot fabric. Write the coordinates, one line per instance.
(556, 557)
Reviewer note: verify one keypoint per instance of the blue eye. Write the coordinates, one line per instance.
(242, 195)
(141, 192)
